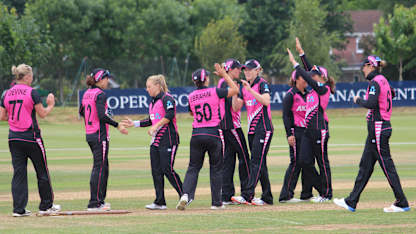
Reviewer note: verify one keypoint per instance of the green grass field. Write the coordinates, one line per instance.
(130, 184)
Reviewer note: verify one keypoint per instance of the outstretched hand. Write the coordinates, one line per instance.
(122, 129)
(299, 46)
(291, 58)
(219, 70)
(127, 122)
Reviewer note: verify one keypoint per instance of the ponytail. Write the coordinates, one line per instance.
(331, 82)
(90, 81)
(21, 71)
(159, 80)
(381, 64)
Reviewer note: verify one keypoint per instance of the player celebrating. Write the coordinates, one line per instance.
(165, 138)
(315, 140)
(235, 142)
(204, 105)
(378, 101)
(256, 95)
(97, 117)
(19, 106)
(294, 110)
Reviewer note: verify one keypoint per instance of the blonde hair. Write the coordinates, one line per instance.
(21, 71)
(159, 80)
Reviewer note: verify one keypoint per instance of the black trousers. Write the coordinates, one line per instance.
(377, 149)
(315, 147)
(99, 173)
(259, 144)
(293, 171)
(162, 159)
(200, 144)
(235, 144)
(21, 151)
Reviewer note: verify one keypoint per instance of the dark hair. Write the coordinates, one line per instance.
(90, 81)
(199, 83)
(331, 82)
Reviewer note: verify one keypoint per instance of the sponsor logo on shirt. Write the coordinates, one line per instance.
(155, 116)
(252, 102)
(301, 108)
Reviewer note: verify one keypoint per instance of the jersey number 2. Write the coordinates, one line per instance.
(89, 114)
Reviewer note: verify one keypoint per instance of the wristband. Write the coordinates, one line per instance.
(136, 123)
(297, 64)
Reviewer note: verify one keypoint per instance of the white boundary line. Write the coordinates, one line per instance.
(147, 148)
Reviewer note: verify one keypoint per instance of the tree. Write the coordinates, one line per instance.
(308, 25)
(266, 24)
(21, 41)
(396, 38)
(218, 41)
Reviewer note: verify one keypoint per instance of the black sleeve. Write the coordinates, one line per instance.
(305, 62)
(222, 92)
(2, 99)
(103, 116)
(169, 106)
(320, 88)
(81, 110)
(36, 97)
(372, 100)
(288, 119)
(146, 122)
(264, 88)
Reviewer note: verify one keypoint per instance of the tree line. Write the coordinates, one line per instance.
(63, 40)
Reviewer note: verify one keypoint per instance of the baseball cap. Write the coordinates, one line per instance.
(200, 75)
(100, 74)
(372, 60)
(251, 64)
(231, 64)
(318, 70)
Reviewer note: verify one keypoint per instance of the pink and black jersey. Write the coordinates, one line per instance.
(204, 103)
(259, 117)
(20, 101)
(97, 115)
(294, 110)
(316, 102)
(231, 119)
(378, 98)
(163, 106)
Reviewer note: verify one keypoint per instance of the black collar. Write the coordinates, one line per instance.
(159, 96)
(257, 80)
(372, 75)
(202, 87)
(296, 90)
(95, 86)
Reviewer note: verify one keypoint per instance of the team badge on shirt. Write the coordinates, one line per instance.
(372, 90)
(266, 88)
(169, 105)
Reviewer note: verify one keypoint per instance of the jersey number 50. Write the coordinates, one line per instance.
(205, 114)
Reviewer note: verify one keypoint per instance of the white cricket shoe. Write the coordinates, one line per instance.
(183, 202)
(154, 206)
(239, 200)
(293, 200)
(27, 213)
(320, 199)
(257, 202)
(218, 207)
(103, 207)
(54, 209)
(341, 202)
(395, 209)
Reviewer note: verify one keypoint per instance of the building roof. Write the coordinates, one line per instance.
(363, 21)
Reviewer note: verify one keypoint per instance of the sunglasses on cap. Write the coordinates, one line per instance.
(101, 74)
